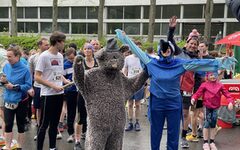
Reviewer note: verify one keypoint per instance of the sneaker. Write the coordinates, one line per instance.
(184, 143)
(137, 126)
(35, 138)
(70, 139)
(14, 144)
(83, 136)
(200, 133)
(4, 148)
(59, 136)
(213, 146)
(60, 127)
(192, 138)
(2, 141)
(77, 146)
(33, 117)
(206, 146)
(129, 127)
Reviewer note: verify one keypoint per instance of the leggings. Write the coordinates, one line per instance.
(71, 110)
(20, 112)
(82, 113)
(50, 115)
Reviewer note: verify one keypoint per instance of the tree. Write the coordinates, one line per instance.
(14, 18)
(151, 25)
(100, 19)
(208, 18)
(55, 15)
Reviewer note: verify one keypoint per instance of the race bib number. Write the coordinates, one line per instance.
(135, 71)
(185, 93)
(56, 76)
(11, 106)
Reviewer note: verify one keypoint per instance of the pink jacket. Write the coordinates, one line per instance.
(211, 93)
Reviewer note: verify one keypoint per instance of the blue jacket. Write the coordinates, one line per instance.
(68, 69)
(17, 74)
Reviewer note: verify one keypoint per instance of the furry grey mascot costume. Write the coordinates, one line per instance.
(105, 90)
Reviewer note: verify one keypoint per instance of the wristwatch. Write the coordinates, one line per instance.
(16, 87)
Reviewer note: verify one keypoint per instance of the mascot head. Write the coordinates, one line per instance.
(110, 57)
(166, 51)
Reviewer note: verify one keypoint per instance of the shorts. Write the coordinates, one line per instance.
(199, 104)
(186, 102)
(210, 118)
(36, 98)
(139, 95)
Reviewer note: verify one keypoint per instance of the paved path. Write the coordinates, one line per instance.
(227, 139)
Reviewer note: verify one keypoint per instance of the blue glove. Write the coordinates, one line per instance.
(227, 63)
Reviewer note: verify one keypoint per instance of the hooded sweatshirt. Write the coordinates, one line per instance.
(17, 74)
(211, 93)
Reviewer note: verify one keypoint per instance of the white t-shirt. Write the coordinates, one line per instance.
(32, 64)
(51, 67)
(133, 65)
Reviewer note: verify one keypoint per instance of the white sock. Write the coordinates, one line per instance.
(52, 148)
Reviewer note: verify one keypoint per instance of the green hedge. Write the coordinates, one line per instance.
(29, 42)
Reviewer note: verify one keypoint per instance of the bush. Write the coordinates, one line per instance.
(30, 42)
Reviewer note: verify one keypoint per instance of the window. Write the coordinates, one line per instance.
(111, 27)
(115, 12)
(31, 12)
(132, 12)
(79, 28)
(4, 26)
(46, 27)
(232, 27)
(146, 12)
(156, 29)
(218, 11)
(170, 10)
(187, 28)
(193, 11)
(3, 12)
(63, 27)
(230, 15)
(21, 27)
(92, 13)
(63, 12)
(92, 28)
(132, 28)
(215, 28)
(20, 13)
(46, 12)
(78, 12)
(31, 27)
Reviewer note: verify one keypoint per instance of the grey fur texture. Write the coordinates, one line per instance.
(105, 90)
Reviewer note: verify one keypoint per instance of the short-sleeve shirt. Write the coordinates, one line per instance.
(52, 69)
(32, 64)
(133, 65)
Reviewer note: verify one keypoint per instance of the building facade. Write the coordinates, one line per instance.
(79, 17)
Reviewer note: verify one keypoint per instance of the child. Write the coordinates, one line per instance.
(211, 92)
(194, 33)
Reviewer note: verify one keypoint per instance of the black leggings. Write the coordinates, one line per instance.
(51, 111)
(82, 113)
(71, 110)
(21, 112)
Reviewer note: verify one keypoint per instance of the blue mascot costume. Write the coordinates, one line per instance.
(165, 98)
